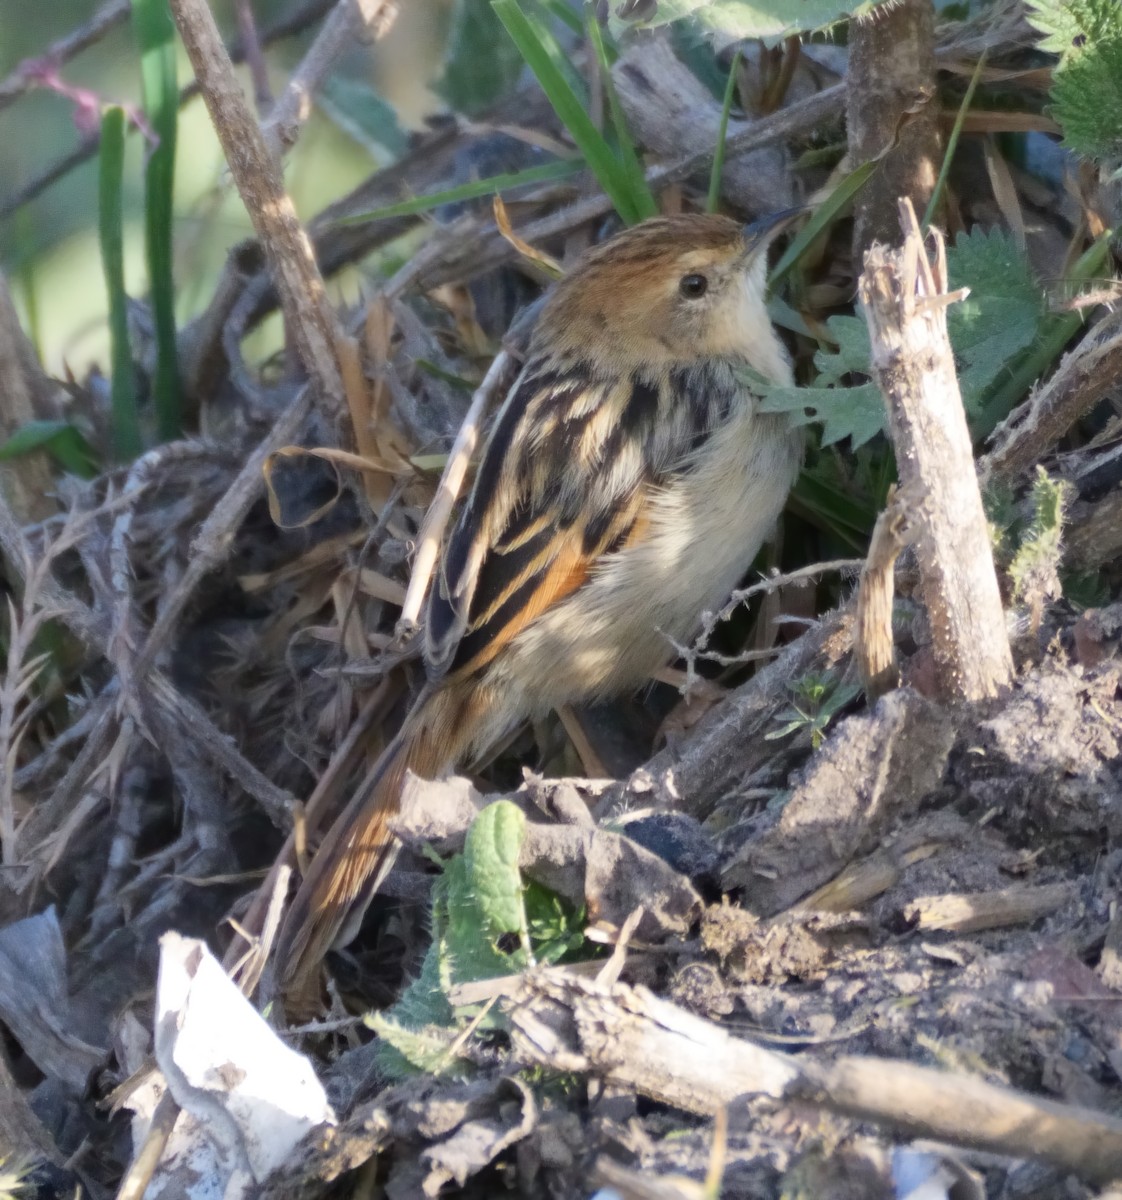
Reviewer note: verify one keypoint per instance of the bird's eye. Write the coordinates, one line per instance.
(693, 286)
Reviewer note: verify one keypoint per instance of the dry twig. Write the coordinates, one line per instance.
(1079, 383)
(364, 20)
(312, 323)
(629, 1037)
(289, 26)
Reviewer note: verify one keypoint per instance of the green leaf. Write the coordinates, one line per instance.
(408, 1050)
(771, 20)
(998, 320)
(713, 198)
(58, 438)
(127, 442)
(358, 110)
(491, 858)
(480, 63)
(1034, 566)
(989, 331)
(1087, 95)
(854, 412)
(638, 191)
(1087, 84)
(155, 33)
(1068, 25)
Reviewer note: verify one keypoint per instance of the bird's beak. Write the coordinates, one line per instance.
(761, 233)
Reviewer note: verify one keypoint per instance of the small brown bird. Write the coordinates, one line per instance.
(628, 482)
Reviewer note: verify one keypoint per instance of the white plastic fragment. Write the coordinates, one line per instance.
(248, 1100)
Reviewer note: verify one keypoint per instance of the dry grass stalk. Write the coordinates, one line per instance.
(973, 912)
(1082, 379)
(904, 298)
(327, 791)
(455, 471)
(873, 645)
(28, 480)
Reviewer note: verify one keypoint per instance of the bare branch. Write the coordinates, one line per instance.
(312, 324)
(349, 20)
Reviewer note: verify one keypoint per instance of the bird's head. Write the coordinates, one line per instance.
(670, 290)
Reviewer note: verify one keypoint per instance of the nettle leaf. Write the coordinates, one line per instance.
(475, 902)
(989, 330)
(768, 19)
(476, 38)
(856, 411)
(998, 320)
(1087, 84)
(1087, 100)
(1068, 25)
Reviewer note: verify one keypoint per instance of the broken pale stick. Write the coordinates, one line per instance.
(975, 911)
(904, 298)
(630, 1037)
(873, 644)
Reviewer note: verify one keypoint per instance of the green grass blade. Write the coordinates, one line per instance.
(712, 200)
(641, 197)
(849, 519)
(155, 35)
(952, 145)
(609, 171)
(127, 442)
(471, 191)
(828, 211)
(536, 14)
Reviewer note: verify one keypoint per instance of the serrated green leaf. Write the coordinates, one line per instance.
(1068, 25)
(856, 413)
(1087, 84)
(771, 20)
(1087, 100)
(405, 1050)
(998, 320)
(989, 332)
(481, 62)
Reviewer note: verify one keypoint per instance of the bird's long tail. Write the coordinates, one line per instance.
(359, 849)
